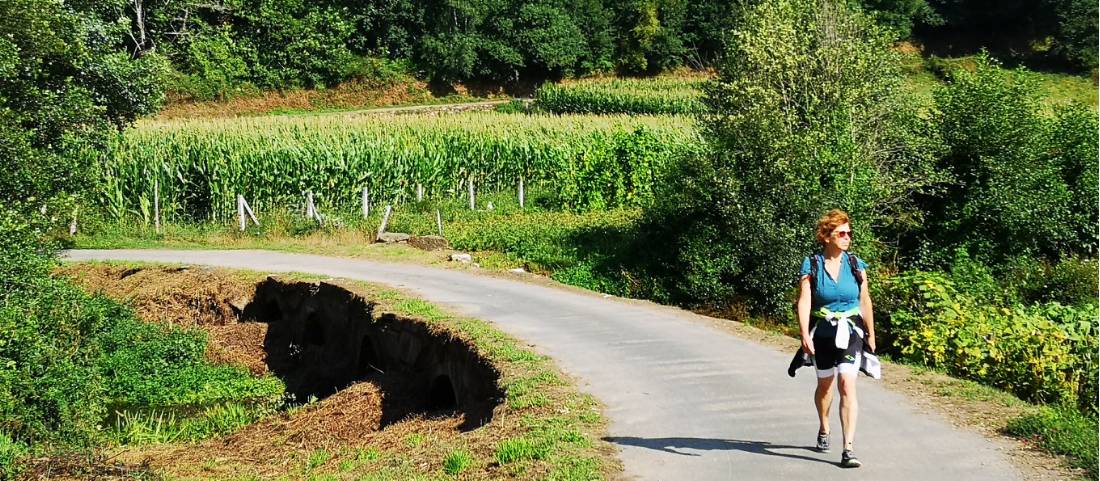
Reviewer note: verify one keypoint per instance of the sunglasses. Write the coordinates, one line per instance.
(843, 233)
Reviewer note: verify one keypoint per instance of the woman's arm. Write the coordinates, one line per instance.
(804, 314)
(867, 311)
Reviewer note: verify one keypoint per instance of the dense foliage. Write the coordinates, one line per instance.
(67, 359)
(1042, 352)
(805, 113)
(1062, 32)
(64, 84)
(594, 162)
(222, 48)
(1023, 182)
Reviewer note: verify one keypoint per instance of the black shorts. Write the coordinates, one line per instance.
(829, 359)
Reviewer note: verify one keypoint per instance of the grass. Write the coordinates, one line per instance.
(165, 426)
(924, 75)
(1063, 431)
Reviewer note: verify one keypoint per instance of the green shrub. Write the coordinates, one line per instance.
(68, 360)
(1023, 183)
(11, 452)
(621, 169)
(1062, 431)
(155, 366)
(216, 66)
(1044, 353)
(1071, 281)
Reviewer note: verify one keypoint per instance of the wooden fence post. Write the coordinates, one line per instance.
(366, 202)
(473, 201)
(521, 192)
(385, 220)
(439, 222)
(244, 209)
(240, 211)
(156, 205)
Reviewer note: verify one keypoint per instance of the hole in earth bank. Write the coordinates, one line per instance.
(322, 338)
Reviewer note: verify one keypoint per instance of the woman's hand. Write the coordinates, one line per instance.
(807, 345)
(871, 343)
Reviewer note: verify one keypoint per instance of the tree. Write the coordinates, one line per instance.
(649, 34)
(66, 82)
(805, 115)
(899, 15)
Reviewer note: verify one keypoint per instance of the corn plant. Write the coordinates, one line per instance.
(201, 165)
(660, 95)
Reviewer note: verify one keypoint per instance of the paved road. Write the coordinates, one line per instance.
(685, 401)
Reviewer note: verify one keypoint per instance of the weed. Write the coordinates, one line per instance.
(366, 455)
(516, 449)
(415, 439)
(316, 459)
(457, 462)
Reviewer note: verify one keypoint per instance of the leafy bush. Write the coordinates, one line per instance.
(312, 44)
(621, 169)
(1018, 177)
(217, 67)
(67, 359)
(1044, 353)
(805, 115)
(154, 366)
(1071, 281)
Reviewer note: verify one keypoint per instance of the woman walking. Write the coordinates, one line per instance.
(834, 315)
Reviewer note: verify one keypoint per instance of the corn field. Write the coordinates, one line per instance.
(660, 95)
(201, 165)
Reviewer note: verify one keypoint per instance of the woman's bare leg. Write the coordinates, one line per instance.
(849, 407)
(823, 399)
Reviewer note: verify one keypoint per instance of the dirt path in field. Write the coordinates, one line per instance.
(420, 109)
(685, 400)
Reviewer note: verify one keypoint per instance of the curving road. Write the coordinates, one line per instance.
(685, 401)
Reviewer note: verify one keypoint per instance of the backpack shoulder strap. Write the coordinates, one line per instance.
(853, 262)
(813, 271)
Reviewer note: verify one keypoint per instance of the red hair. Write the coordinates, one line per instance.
(828, 223)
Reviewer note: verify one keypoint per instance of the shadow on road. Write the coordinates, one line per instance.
(670, 445)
